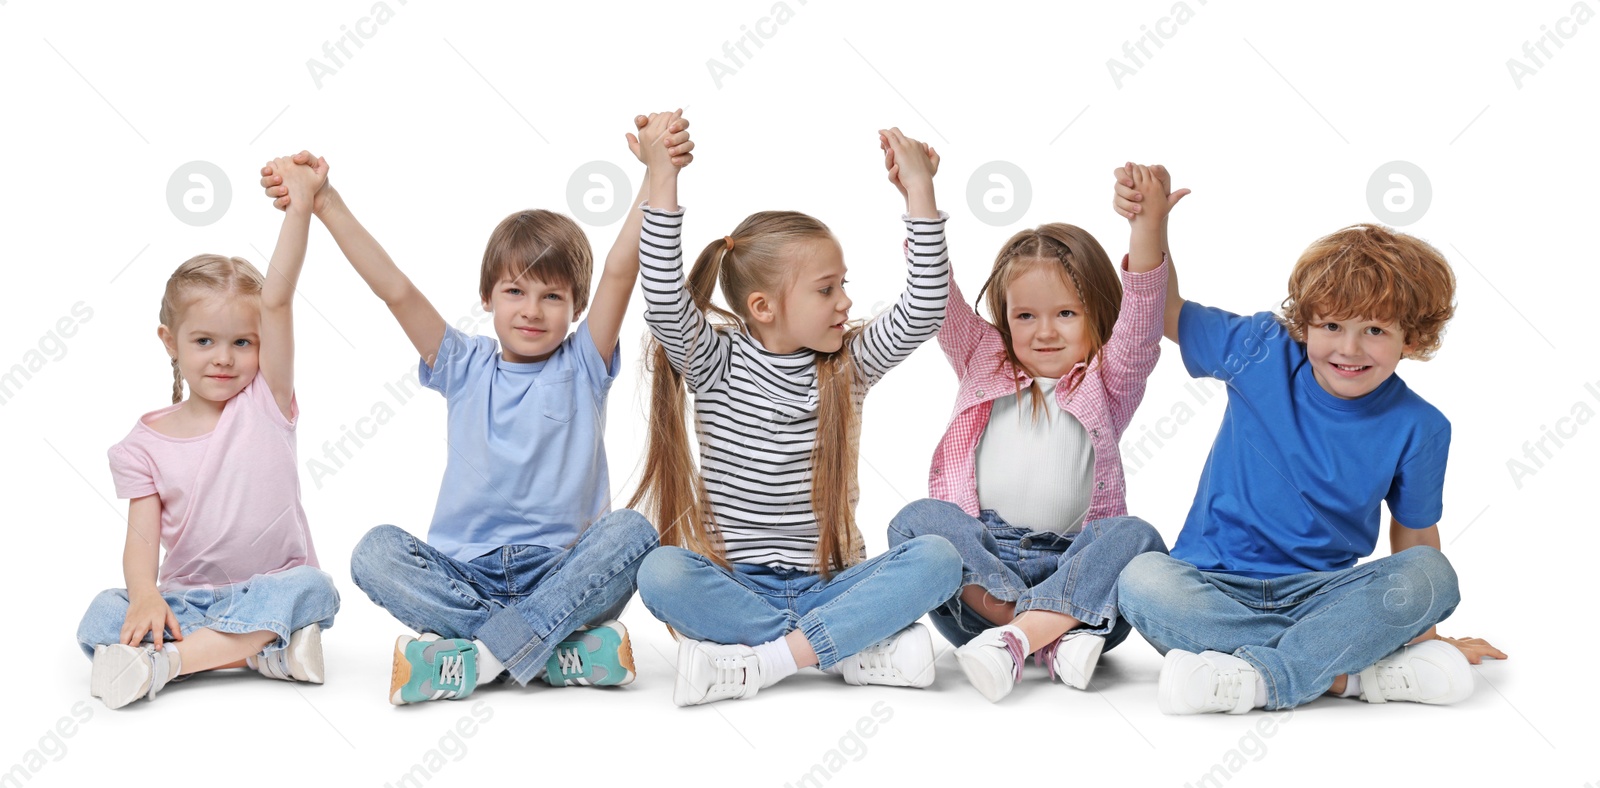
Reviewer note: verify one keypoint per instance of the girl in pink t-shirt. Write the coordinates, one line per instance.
(213, 479)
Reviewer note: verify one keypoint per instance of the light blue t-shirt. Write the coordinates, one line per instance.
(1296, 476)
(527, 460)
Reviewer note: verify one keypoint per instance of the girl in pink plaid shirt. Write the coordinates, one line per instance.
(1045, 394)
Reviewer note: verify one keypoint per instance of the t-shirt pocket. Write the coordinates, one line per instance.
(557, 400)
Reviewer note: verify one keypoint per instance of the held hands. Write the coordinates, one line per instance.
(148, 613)
(665, 130)
(1135, 197)
(301, 166)
(907, 160)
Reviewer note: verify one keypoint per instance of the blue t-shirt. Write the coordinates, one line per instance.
(527, 457)
(1296, 475)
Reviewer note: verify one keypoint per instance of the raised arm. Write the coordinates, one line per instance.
(1128, 203)
(417, 317)
(916, 316)
(611, 296)
(283, 274)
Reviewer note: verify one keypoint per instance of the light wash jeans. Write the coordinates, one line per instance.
(1075, 575)
(520, 600)
(753, 603)
(1299, 631)
(281, 603)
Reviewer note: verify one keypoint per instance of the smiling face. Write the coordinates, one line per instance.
(1351, 357)
(1049, 331)
(530, 317)
(216, 343)
(813, 307)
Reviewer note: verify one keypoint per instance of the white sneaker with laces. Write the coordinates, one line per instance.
(1206, 682)
(709, 672)
(904, 659)
(1073, 658)
(122, 674)
(993, 660)
(1432, 671)
(301, 660)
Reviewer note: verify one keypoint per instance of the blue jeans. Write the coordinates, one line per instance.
(281, 603)
(520, 600)
(753, 603)
(1074, 575)
(1298, 631)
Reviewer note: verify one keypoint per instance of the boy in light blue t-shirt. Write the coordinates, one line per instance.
(523, 551)
(1262, 603)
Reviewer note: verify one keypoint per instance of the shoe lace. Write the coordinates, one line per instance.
(452, 672)
(1018, 659)
(732, 671)
(1226, 687)
(570, 661)
(876, 658)
(1047, 657)
(1392, 677)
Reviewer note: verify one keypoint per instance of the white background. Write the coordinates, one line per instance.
(449, 118)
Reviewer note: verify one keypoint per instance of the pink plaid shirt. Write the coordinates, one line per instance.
(1103, 401)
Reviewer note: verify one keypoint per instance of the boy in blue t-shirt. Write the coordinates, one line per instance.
(523, 551)
(1261, 603)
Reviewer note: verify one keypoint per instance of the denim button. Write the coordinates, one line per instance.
(1095, 433)
(1099, 485)
(1026, 544)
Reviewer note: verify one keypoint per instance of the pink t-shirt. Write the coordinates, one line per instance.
(230, 499)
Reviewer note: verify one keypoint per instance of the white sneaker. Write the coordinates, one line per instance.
(1073, 658)
(122, 674)
(993, 660)
(301, 660)
(904, 659)
(709, 672)
(1206, 682)
(1432, 671)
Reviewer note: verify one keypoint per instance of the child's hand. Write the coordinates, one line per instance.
(677, 139)
(272, 181)
(148, 613)
(1475, 649)
(301, 181)
(654, 145)
(907, 160)
(1128, 200)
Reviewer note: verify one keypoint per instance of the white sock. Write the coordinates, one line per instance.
(777, 662)
(1261, 692)
(1352, 686)
(488, 665)
(174, 659)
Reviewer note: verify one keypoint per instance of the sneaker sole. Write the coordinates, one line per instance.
(400, 674)
(681, 690)
(305, 654)
(119, 675)
(979, 676)
(1092, 646)
(624, 654)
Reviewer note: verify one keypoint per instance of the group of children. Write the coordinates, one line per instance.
(747, 548)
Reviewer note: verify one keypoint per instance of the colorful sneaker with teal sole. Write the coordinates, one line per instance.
(436, 669)
(600, 656)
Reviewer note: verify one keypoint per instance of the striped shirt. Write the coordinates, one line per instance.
(756, 411)
(1106, 394)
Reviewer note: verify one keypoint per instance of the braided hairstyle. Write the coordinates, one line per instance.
(1080, 261)
(202, 275)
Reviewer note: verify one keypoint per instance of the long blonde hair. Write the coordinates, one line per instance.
(204, 274)
(1078, 258)
(755, 258)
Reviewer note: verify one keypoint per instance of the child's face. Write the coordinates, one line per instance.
(530, 318)
(217, 343)
(814, 307)
(1049, 333)
(1350, 357)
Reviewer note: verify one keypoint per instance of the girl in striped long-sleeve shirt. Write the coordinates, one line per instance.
(761, 571)
(1027, 482)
